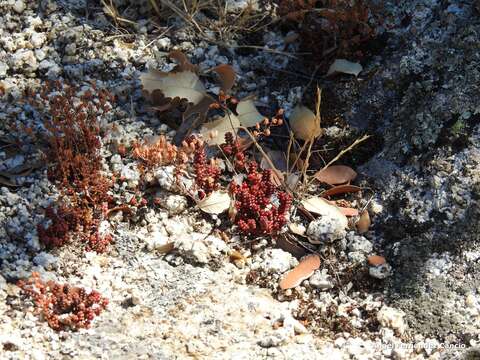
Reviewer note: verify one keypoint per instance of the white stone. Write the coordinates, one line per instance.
(37, 39)
(392, 318)
(175, 204)
(359, 243)
(327, 227)
(164, 43)
(380, 272)
(19, 6)
(276, 261)
(321, 280)
(44, 259)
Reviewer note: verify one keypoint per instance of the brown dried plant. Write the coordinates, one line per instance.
(73, 153)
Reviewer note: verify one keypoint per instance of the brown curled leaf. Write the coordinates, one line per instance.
(363, 224)
(376, 260)
(226, 75)
(336, 174)
(341, 189)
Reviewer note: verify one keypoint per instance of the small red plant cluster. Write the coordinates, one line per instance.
(234, 149)
(256, 213)
(63, 306)
(63, 222)
(73, 135)
(207, 172)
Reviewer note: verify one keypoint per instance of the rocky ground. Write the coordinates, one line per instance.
(417, 95)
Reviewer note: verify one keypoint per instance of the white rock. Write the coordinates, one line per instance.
(277, 261)
(166, 177)
(37, 39)
(18, 6)
(321, 280)
(3, 69)
(44, 259)
(392, 318)
(359, 243)
(176, 227)
(175, 204)
(131, 174)
(326, 228)
(164, 43)
(380, 272)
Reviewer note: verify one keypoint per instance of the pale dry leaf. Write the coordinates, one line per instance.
(248, 113)
(297, 229)
(215, 203)
(320, 206)
(228, 123)
(183, 85)
(336, 174)
(302, 271)
(226, 75)
(304, 123)
(363, 224)
(345, 67)
(348, 211)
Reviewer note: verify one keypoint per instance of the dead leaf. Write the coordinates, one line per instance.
(376, 260)
(7, 182)
(219, 127)
(341, 189)
(297, 229)
(183, 85)
(291, 246)
(165, 249)
(320, 206)
(193, 116)
(215, 203)
(226, 75)
(363, 224)
(248, 113)
(336, 174)
(183, 64)
(302, 271)
(344, 66)
(304, 123)
(235, 255)
(348, 211)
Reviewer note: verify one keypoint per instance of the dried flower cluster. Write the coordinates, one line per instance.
(63, 306)
(159, 153)
(256, 212)
(73, 135)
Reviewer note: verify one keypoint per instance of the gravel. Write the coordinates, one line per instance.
(175, 289)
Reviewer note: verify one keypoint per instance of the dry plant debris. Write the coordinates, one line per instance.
(73, 154)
